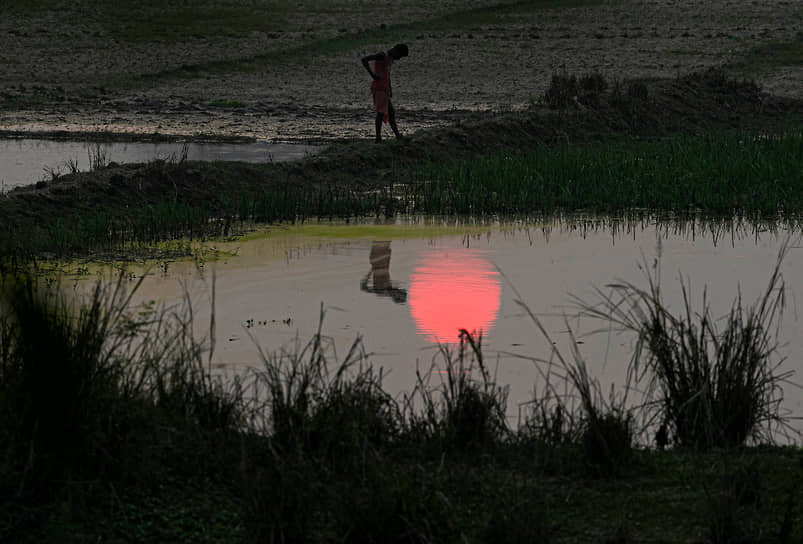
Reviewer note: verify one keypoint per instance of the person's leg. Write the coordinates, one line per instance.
(392, 120)
(379, 117)
(381, 107)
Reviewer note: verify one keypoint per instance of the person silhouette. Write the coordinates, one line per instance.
(379, 257)
(381, 88)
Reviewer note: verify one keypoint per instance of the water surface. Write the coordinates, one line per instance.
(26, 161)
(407, 291)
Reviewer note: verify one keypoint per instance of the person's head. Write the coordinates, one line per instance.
(398, 51)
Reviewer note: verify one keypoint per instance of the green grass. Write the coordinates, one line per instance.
(176, 20)
(226, 103)
(715, 173)
(171, 21)
(173, 220)
(375, 36)
(768, 57)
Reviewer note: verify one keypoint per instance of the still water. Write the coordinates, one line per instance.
(26, 161)
(408, 288)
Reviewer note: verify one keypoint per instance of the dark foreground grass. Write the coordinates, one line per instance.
(113, 429)
(93, 401)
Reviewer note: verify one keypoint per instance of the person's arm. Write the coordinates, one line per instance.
(366, 60)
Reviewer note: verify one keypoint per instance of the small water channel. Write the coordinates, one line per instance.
(26, 161)
(407, 288)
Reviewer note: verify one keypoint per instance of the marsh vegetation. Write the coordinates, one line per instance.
(729, 174)
(719, 174)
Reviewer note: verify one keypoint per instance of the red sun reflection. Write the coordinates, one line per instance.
(453, 291)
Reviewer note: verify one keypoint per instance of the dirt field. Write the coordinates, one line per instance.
(260, 70)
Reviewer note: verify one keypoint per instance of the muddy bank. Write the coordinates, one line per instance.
(634, 109)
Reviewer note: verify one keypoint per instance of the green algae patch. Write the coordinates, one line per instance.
(145, 259)
(356, 231)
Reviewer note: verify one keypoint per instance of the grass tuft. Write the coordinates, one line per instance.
(466, 412)
(717, 388)
(322, 407)
(567, 91)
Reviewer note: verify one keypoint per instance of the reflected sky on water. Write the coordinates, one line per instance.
(405, 293)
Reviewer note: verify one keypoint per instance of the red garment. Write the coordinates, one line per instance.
(382, 69)
(380, 88)
(381, 102)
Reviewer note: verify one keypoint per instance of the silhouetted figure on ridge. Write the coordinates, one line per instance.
(381, 88)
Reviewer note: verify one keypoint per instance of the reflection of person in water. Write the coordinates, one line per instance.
(380, 274)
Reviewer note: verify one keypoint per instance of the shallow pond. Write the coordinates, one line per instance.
(26, 161)
(407, 288)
